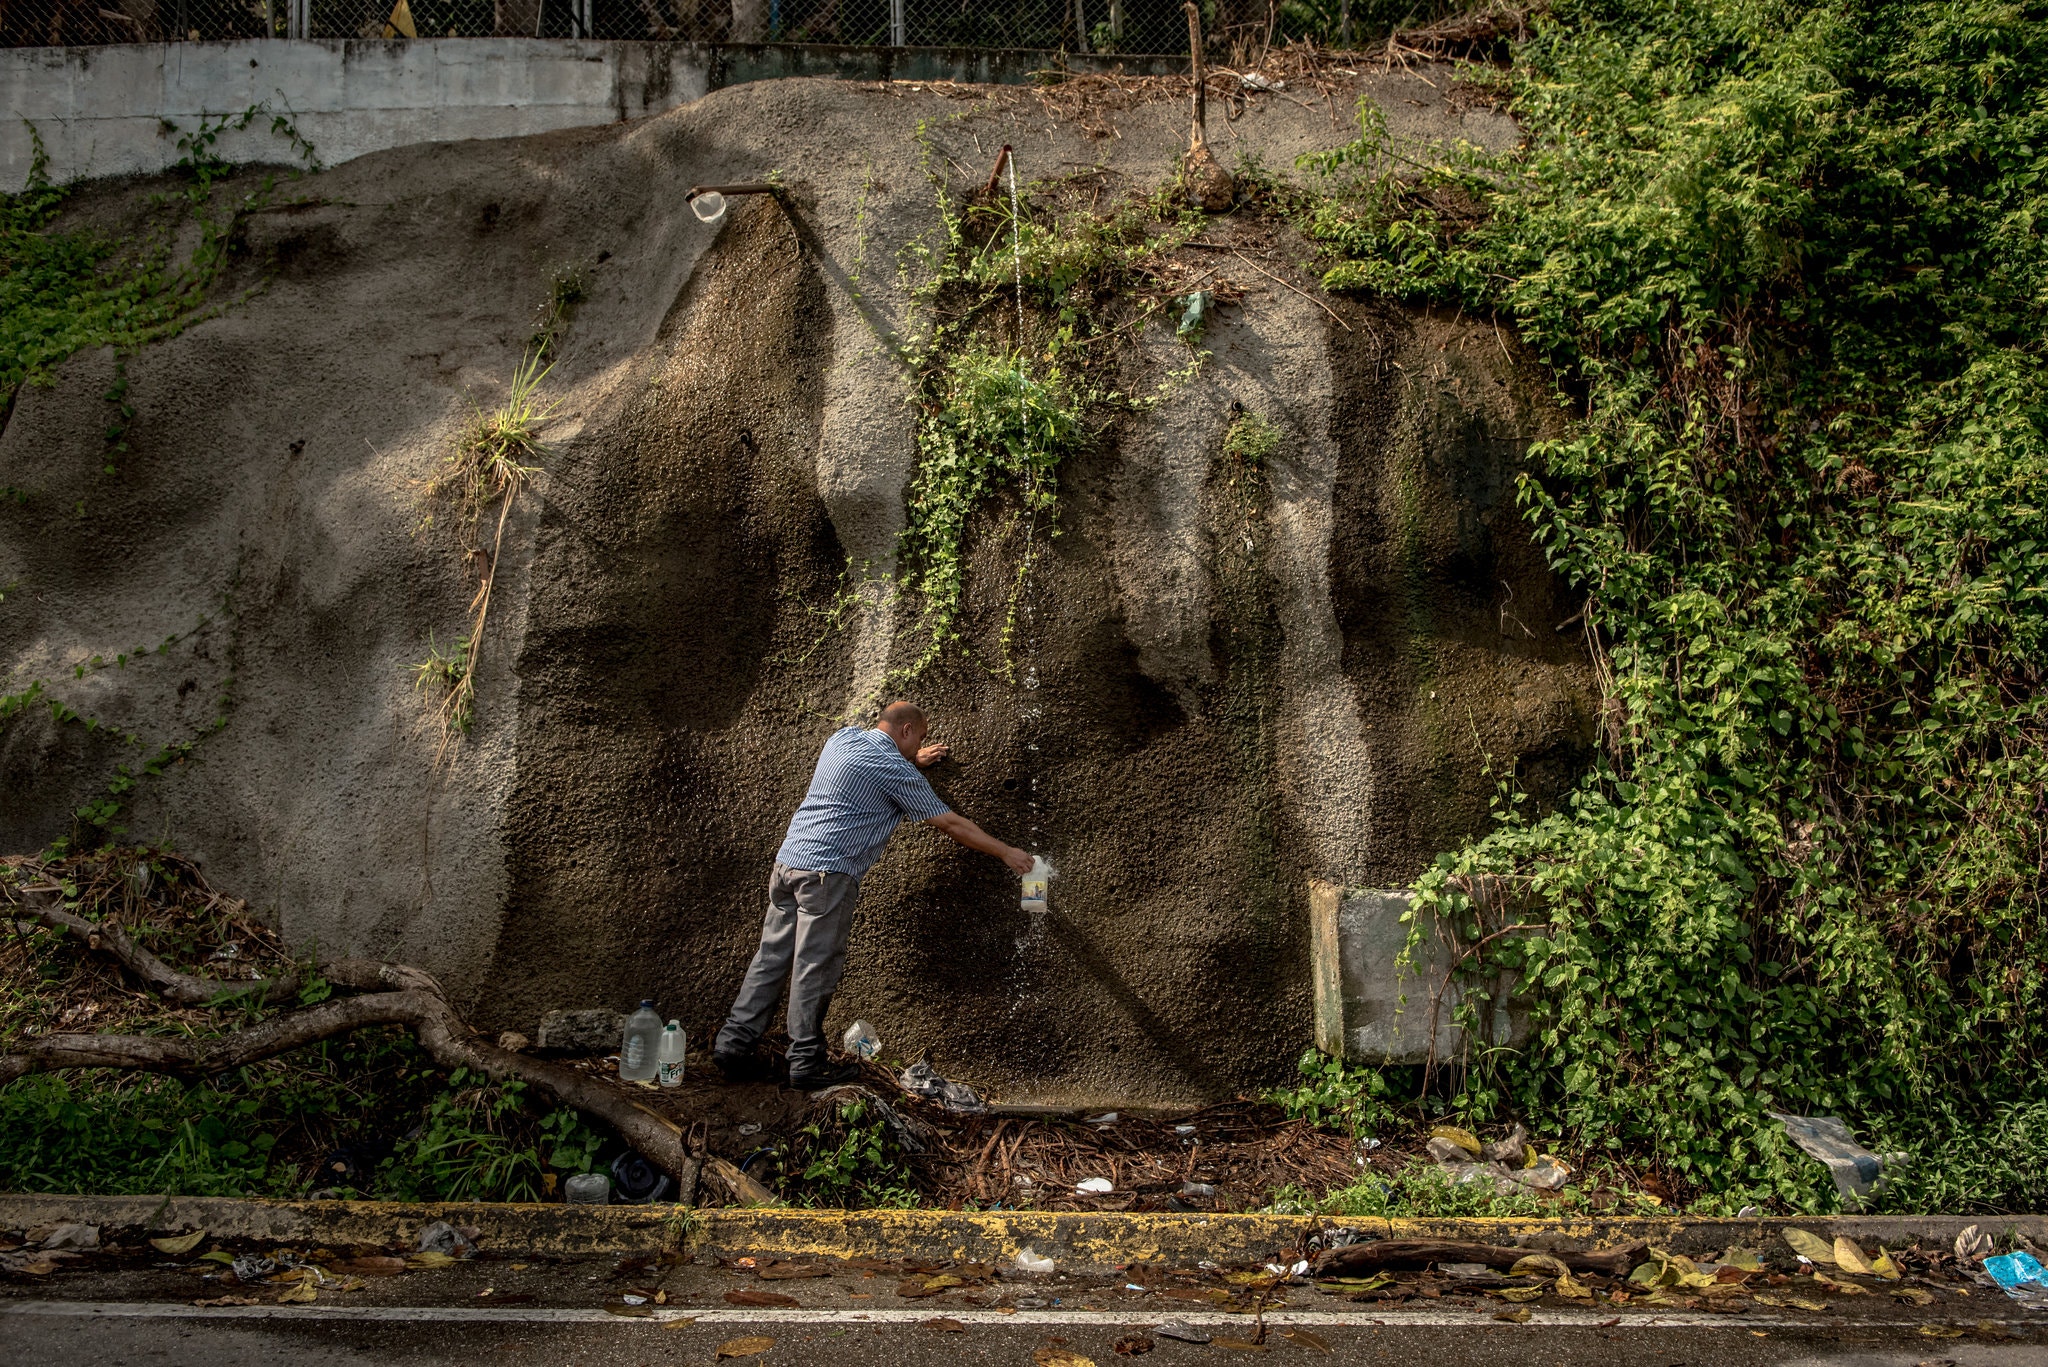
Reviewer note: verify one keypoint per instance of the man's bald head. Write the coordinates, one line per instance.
(902, 715)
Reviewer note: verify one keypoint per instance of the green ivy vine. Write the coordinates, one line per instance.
(1785, 260)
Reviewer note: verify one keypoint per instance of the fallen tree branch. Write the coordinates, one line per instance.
(1383, 1254)
(395, 994)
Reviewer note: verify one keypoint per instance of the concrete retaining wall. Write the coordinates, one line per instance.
(121, 110)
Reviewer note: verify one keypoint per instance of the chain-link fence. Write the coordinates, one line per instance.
(1231, 28)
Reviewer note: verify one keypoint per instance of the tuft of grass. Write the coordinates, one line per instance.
(1250, 441)
(498, 456)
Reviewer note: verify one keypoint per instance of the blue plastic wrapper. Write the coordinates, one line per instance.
(2016, 1269)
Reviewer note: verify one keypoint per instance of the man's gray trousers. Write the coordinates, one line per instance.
(803, 942)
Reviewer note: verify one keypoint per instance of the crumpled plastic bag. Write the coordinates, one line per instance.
(72, 1236)
(922, 1080)
(2021, 1276)
(442, 1237)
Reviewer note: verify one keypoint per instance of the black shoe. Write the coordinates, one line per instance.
(743, 1067)
(834, 1075)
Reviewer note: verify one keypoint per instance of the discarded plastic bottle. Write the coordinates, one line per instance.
(636, 1050)
(1034, 899)
(668, 1060)
(588, 1189)
(860, 1039)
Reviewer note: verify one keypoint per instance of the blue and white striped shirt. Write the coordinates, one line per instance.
(860, 791)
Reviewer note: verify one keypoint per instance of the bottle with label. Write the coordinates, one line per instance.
(668, 1059)
(1034, 899)
(636, 1051)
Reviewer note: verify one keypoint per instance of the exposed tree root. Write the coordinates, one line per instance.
(394, 994)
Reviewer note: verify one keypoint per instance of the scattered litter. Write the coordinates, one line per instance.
(1194, 313)
(72, 1236)
(1028, 1260)
(2021, 1277)
(1858, 1173)
(588, 1189)
(1465, 1271)
(1186, 1333)
(1095, 1186)
(861, 1040)
(638, 1182)
(250, 1268)
(1750, 1213)
(1106, 1118)
(1545, 1174)
(1184, 1130)
(442, 1237)
(1972, 1244)
(920, 1079)
(1252, 80)
(177, 1245)
(1202, 1191)
(750, 1128)
(634, 1300)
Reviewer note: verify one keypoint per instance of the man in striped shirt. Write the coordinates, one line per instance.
(865, 785)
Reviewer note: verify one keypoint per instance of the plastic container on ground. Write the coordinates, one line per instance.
(588, 1189)
(860, 1039)
(1034, 898)
(669, 1057)
(636, 1051)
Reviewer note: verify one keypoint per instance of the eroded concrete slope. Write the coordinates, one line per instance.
(1222, 685)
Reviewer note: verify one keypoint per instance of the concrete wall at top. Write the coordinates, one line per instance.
(121, 109)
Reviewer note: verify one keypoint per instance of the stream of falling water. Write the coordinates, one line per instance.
(1031, 939)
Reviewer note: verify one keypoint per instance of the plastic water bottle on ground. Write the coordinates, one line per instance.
(636, 1051)
(861, 1040)
(1034, 899)
(668, 1060)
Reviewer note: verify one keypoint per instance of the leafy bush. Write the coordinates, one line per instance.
(1785, 261)
(1337, 1095)
(850, 1160)
(478, 1142)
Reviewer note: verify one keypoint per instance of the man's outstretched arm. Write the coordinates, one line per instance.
(957, 827)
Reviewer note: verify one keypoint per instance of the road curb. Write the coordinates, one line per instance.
(1077, 1239)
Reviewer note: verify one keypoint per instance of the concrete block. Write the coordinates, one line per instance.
(1368, 1008)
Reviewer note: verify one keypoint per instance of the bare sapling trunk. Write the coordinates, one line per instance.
(1209, 185)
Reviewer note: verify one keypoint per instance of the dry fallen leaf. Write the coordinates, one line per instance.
(1060, 1357)
(1913, 1295)
(789, 1272)
(1517, 1293)
(746, 1347)
(760, 1298)
(178, 1245)
(946, 1326)
(41, 1267)
(1132, 1345)
(1840, 1287)
(1941, 1331)
(225, 1300)
(1850, 1258)
(1884, 1267)
(377, 1265)
(1810, 1246)
(1573, 1290)
(1520, 1316)
(679, 1322)
(1303, 1338)
(430, 1258)
(299, 1293)
(1539, 1265)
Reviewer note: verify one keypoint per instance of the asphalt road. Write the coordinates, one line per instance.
(57, 1333)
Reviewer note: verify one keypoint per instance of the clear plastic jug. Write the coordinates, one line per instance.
(636, 1051)
(1034, 899)
(668, 1060)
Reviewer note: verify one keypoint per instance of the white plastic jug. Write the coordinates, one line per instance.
(636, 1051)
(668, 1061)
(1034, 899)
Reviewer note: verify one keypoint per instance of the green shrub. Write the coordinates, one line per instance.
(1785, 263)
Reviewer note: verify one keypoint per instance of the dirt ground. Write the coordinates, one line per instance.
(1229, 699)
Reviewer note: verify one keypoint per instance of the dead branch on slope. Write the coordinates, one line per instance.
(393, 994)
